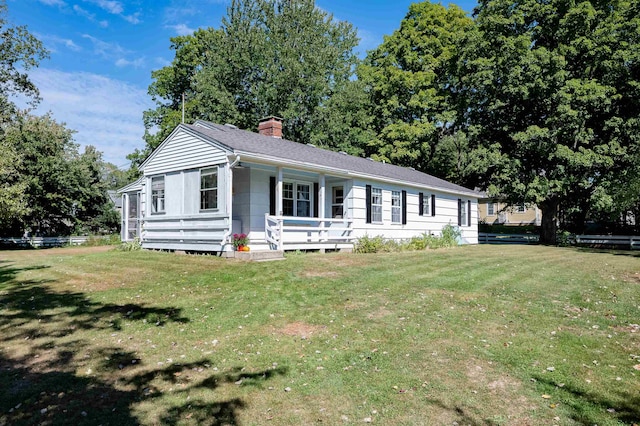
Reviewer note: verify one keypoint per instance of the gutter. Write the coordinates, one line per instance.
(265, 159)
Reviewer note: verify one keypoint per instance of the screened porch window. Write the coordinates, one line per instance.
(209, 189)
(157, 194)
(296, 199)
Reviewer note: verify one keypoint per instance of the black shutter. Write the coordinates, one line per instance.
(404, 207)
(469, 213)
(459, 212)
(316, 190)
(368, 201)
(421, 204)
(433, 204)
(272, 195)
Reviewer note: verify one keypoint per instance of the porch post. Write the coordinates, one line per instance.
(279, 192)
(321, 205)
(124, 217)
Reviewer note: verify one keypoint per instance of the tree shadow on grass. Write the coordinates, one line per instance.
(462, 416)
(613, 252)
(620, 405)
(44, 363)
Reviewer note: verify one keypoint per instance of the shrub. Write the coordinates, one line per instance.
(130, 245)
(378, 244)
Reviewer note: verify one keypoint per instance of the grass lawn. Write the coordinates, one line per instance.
(479, 335)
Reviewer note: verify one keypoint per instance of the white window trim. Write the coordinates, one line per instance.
(153, 208)
(295, 184)
(334, 204)
(210, 170)
(373, 205)
(396, 208)
(464, 215)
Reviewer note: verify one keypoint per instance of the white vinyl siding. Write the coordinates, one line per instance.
(182, 151)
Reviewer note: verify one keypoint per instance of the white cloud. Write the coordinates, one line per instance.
(90, 16)
(163, 62)
(58, 3)
(116, 8)
(106, 113)
(136, 63)
(105, 49)
(132, 19)
(113, 7)
(181, 29)
(53, 42)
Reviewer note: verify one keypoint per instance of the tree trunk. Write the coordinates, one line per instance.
(549, 228)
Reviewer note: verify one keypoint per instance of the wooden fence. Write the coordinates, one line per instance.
(42, 242)
(628, 242)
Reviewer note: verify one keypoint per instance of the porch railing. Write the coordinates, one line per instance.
(282, 232)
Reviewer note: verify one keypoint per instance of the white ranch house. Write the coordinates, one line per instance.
(207, 181)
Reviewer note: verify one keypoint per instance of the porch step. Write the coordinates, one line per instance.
(259, 255)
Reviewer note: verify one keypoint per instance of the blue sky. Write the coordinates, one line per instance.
(103, 51)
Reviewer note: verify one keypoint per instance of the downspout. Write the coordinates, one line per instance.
(227, 235)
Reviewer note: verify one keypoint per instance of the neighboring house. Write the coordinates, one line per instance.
(207, 181)
(493, 211)
(116, 200)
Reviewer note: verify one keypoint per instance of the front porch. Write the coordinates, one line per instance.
(305, 233)
(285, 209)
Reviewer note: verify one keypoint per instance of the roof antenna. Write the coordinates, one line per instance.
(182, 107)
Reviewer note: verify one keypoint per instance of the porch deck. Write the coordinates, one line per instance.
(308, 233)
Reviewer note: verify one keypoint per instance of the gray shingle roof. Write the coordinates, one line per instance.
(254, 143)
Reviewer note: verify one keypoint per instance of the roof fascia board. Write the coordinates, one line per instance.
(265, 159)
(137, 184)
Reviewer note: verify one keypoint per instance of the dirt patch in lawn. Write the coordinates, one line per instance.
(380, 313)
(485, 382)
(300, 329)
(320, 274)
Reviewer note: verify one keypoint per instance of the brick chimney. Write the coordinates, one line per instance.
(271, 126)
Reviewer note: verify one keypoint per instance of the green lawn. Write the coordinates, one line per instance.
(483, 335)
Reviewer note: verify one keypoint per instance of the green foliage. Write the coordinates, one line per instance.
(564, 238)
(102, 240)
(554, 87)
(133, 245)
(284, 58)
(449, 237)
(415, 93)
(64, 191)
(19, 52)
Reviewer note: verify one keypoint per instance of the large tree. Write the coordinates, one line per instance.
(269, 57)
(418, 110)
(19, 51)
(554, 90)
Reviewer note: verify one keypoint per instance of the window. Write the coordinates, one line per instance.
(209, 189)
(303, 196)
(157, 194)
(521, 208)
(376, 205)
(426, 209)
(491, 209)
(462, 213)
(396, 207)
(287, 199)
(337, 202)
(296, 199)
